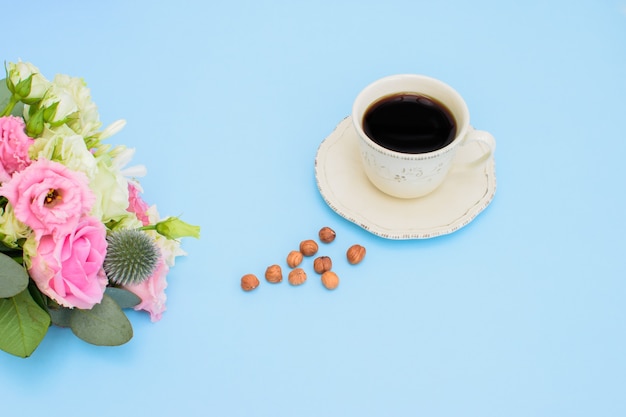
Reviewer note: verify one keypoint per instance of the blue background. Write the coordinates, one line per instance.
(520, 313)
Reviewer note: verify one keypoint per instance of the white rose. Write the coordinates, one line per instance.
(111, 189)
(63, 100)
(65, 146)
(18, 75)
(75, 107)
(11, 229)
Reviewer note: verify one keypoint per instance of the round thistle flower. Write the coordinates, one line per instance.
(131, 258)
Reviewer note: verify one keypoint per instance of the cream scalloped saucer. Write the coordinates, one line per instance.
(345, 188)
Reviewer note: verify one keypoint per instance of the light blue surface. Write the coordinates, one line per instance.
(521, 313)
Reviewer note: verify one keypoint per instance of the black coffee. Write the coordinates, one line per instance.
(409, 123)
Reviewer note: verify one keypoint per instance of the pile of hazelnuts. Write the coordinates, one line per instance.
(322, 264)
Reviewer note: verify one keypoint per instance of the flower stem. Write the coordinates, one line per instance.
(10, 106)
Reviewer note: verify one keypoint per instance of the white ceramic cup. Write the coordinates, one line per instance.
(412, 175)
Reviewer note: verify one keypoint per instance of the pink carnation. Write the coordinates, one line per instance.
(48, 197)
(68, 267)
(14, 145)
(137, 205)
(152, 290)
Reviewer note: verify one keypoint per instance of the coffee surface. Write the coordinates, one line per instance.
(409, 123)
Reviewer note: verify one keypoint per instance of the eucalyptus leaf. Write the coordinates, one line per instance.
(5, 94)
(13, 277)
(60, 316)
(104, 325)
(123, 298)
(23, 324)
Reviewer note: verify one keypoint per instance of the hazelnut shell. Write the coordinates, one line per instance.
(294, 258)
(322, 264)
(355, 254)
(330, 280)
(327, 235)
(297, 276)
(308, 247)
(249, 282)
(274, 274)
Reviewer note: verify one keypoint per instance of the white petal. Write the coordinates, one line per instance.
(113, 128)
(135, 171)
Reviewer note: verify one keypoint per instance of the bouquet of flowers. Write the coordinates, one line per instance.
(77, 242)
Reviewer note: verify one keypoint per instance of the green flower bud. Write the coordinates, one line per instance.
(23, 87)
(35, 123)
(50, 111)
(174, 228)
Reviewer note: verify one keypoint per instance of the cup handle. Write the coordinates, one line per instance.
(487, 146)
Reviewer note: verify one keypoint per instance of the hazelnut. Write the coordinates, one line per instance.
(249, 282)
(322, 264)
(297, 276)
(330, 280)
(308, 247)
(294, 258)
(355, 254)
(327, 234)
(274, 274)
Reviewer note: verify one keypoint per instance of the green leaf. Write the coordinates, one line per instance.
(23, 324)
(13, 277)
(123, 298)
(39, 298)
(104, 325)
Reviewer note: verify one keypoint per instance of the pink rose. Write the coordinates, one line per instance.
(67, 267)
(137, 205)
(152, 292)
(14, 145)
(49, 197)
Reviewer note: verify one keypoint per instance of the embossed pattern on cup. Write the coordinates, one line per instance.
(405, 175)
